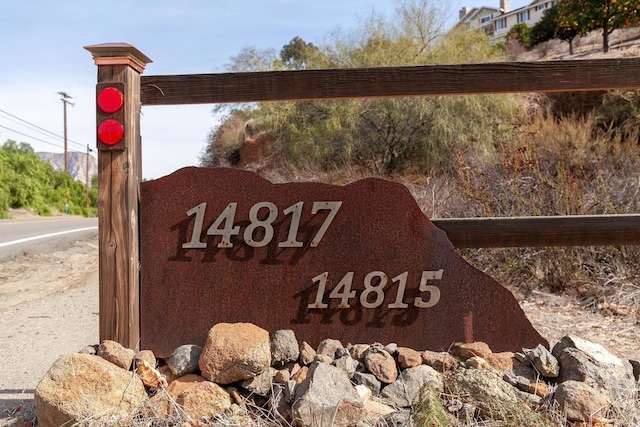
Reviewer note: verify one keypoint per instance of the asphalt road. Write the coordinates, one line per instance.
(23, 237)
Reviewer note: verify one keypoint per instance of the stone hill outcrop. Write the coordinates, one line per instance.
(354, 385)
(77, 164)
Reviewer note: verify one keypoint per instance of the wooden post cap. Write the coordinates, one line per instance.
(119, 54)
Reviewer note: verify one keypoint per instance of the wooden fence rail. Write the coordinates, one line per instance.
(582, 230)
(547, 76)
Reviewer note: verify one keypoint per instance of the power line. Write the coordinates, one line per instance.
(40, 130)
(30, 136)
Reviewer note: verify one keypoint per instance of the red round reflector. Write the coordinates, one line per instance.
(110, 100)
(110, 132)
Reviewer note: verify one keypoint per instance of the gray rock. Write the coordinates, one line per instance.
(406, 388)
(391, 348)
(284, 347)
(184, 360)
(580, 401)
(368, 380)
(327, 398)
(591, 363)
(543, 361)
(346, 364)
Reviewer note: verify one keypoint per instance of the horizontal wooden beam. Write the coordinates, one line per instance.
(583, 230)
(505, 77)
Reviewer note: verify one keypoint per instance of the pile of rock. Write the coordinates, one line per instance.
(244, 376)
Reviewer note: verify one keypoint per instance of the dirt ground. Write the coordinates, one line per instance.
(49, 307)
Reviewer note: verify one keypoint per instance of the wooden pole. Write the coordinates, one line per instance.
(119, 176)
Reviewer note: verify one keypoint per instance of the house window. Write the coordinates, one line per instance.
(501, 24)
(523, 16)
(486, 19)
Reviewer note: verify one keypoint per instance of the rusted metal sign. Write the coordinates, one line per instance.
(360, 263)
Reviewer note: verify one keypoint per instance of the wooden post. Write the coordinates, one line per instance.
(119, 176)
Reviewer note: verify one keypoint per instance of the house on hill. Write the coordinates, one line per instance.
(497, 22)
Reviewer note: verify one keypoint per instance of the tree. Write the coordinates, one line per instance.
(381, 135)
(520, 32)
(26, 181)
(546, 28)
(587, 15)
(297, 53)
(571, 21)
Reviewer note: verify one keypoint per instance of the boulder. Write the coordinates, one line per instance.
(381, 364)
(368, 380)
(261, 383)
(491, 396)
(82, 387)
(543, 361)
(184, 360)
(115, 353)
(406, 388)
(440, 361)
(579, 401)
(327, 398)
(204, 399)
(196, 396)
(235, 352)
(284, 347)
(408, 357)
(591, 363)
(329, 347)
(347, 364)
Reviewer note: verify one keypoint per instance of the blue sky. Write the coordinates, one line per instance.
(42, 53)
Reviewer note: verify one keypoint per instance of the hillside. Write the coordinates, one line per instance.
(77, 164)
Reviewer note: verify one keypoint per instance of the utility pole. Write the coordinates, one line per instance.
(65, 100)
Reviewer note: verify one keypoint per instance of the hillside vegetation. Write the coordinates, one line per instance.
(28, 182)
(461, 156)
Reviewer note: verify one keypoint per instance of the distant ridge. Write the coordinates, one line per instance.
(77, 164)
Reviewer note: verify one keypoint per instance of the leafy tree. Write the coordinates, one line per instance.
(26, 181)
(297, 53)
(553, 26)
(381, 135)
(520, 32)
(571, 21)
(587, 15)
